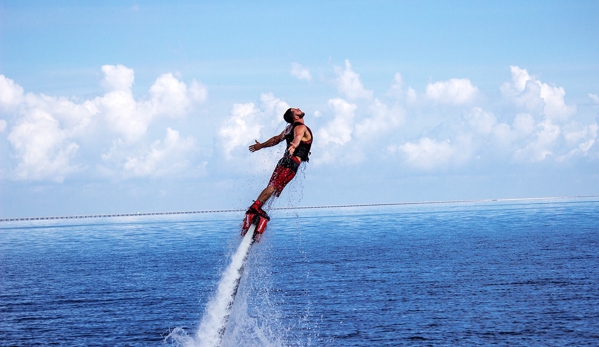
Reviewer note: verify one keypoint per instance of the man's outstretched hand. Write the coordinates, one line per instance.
(256, 146)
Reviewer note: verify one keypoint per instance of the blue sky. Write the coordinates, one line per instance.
(146, 106)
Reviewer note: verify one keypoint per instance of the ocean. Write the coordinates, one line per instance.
(507, 273)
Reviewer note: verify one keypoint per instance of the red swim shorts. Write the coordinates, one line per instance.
(284, 173)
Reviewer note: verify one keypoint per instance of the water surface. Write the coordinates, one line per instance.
(506, 273)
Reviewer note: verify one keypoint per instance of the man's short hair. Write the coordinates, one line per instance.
(288, 116)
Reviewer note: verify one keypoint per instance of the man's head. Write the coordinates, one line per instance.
(293, 114)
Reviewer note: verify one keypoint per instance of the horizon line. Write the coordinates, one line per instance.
(137, 214)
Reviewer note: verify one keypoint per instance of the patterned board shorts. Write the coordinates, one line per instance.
(284, 173)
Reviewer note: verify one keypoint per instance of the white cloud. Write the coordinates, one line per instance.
(245, 123)
(349, 83)
(541, 145)
(529, 98)
(396, 89)
(336, 132)
(198, 92)
(300, 72)
(482, 134)
(52, 138)
(574, 136)
(169, 97)
(383, 119)
(49, 132)
(45, 134)
(122, 115)
(11, 94)
(166, 156)
(581, 139)
(528, 92)
(481, 121)
(519, 78)
(242, 127)
(42, 148)
(117, 77)
(452, 92)
(273, 107)
(411, 96)
(427, 153)
(555, 106)
(339, 129)
(551, 136)
(594, 98)
(524, 123)
(172, 98)
(503, 136)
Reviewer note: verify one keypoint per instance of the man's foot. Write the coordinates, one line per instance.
(256, 208)
(252, 216)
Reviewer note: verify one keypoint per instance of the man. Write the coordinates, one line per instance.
(299, 141)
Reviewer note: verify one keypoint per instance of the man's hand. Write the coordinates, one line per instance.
(291, 149)
(275, 140)
(256, 146)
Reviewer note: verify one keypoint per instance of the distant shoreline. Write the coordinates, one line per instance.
(135, 214)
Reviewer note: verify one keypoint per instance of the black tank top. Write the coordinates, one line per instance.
(303, 149)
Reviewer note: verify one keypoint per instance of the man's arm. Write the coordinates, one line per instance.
(298, 134)
(275, 140)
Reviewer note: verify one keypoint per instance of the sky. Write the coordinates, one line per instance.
(149, 106)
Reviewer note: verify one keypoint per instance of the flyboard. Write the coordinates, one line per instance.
(259, 219)
(214, 323)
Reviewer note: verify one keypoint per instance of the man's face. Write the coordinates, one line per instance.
(298, 113)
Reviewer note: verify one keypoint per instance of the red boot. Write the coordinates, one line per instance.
(256, 208)
(250, 215)
(255, 215)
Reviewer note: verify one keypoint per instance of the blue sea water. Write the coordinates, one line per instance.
(464, 274)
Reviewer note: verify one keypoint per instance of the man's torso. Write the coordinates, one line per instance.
(302, 151)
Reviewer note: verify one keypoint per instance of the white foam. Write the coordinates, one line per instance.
(215, 318)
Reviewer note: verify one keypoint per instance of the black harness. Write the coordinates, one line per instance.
(303, 149)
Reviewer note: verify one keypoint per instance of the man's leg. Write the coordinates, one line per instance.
(282, 174)
(262, 198)
(266, 194)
